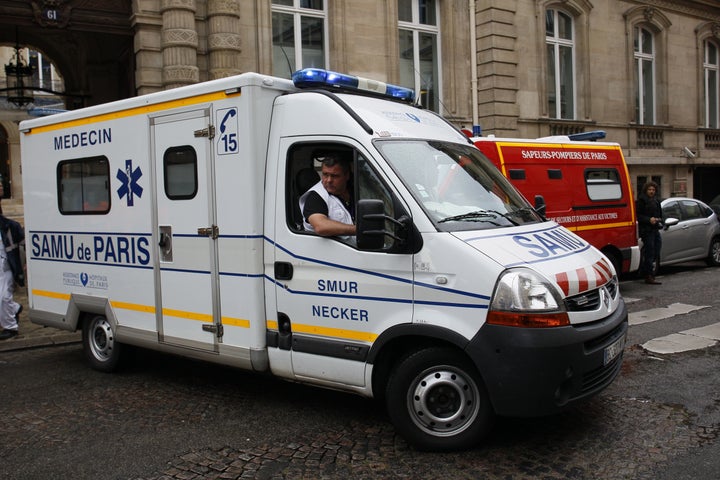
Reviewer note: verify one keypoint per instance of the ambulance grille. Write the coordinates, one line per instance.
(601, 376)
(590, 300)
(584, 302)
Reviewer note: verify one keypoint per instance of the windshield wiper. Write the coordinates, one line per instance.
(479, 215)
(476, 216)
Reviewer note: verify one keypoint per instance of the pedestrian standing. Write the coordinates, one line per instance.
(12, 236)
(649, 214)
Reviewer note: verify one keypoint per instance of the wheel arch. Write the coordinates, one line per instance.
(400, 340)
(711, 258)
(615, 256)
(82, 306)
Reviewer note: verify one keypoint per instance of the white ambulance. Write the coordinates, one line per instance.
(170, 221)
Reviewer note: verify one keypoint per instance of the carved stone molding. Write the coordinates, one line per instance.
(179, 37)
(649, 14)
(224, 7)
(178, 5)
(180, 74)
(715, 28)
(224, 41)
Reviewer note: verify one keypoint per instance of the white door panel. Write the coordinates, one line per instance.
(187, 264)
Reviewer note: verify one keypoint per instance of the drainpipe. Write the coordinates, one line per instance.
(473, 64)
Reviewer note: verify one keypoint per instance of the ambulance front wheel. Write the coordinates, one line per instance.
(101, 348)
(437, 400)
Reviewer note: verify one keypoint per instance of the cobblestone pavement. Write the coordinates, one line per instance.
(31, 335)
(169, 418)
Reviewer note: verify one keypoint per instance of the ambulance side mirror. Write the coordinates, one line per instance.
(540, 205)
(371, 220)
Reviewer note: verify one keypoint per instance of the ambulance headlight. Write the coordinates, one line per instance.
(523, 298)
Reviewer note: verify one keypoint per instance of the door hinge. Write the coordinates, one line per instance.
(213, 328)
(209, 132)
(212, 231)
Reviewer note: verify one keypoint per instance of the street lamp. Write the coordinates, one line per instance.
(19, 80)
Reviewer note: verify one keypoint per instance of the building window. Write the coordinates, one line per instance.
(298, 30)
(44, 75)
(560, 44)
(419, 42)
(644, 46)
(711, 65)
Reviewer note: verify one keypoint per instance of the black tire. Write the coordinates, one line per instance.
(616, 260)
(437, 400)
(101, 348)
(713, 259)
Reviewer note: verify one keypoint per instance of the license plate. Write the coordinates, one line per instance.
(614, 350)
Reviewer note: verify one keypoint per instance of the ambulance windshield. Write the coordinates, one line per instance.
(456, 185)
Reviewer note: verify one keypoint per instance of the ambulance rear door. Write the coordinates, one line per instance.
(186, 275)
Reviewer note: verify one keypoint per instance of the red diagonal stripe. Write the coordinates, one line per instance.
(583, 283)
(563, 282)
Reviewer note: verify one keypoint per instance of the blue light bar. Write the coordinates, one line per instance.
(587, 136)
(319, 78)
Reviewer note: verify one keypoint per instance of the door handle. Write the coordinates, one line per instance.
(164, 240)
(283, 271)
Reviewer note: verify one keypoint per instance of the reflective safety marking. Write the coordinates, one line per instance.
(335, 332)
(600, 226)
(200, 317)
(235, 322)
(583, 279)
(46, 293)
(327, 332)
(132, 111)
(133, 306)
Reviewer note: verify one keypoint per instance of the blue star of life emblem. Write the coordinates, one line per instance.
(128, 182)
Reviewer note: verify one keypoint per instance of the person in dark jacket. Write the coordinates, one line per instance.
(649, 215)
(11, 273)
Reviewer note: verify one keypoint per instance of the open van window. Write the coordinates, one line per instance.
(457, 186)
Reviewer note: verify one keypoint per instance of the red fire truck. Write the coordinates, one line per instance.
(585, 186)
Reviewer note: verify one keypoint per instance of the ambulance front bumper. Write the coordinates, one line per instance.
(540, 371)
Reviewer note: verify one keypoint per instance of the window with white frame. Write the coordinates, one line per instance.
(299, 36)
(711, 66)
(44, 75)
(560, 44)
(644, 46)
(419, 44)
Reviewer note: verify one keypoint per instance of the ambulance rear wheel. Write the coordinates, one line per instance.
(101, 348)
(437, 400)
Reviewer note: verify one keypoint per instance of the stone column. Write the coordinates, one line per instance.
(223, 20)
(179, 43)
(497, 37)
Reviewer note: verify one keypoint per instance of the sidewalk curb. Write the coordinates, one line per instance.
(15, 344)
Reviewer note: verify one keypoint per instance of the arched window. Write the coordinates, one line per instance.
(560, 43)
(711, 68)
(298, 33)
(419, 43)
(644, 55)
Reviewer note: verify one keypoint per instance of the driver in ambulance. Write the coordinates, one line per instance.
(328, 208)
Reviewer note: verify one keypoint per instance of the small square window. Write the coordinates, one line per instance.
(84, 186)
(180, 173)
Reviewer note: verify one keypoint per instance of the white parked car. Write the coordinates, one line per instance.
(691, 232)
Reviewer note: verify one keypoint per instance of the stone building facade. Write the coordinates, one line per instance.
(642, 71)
